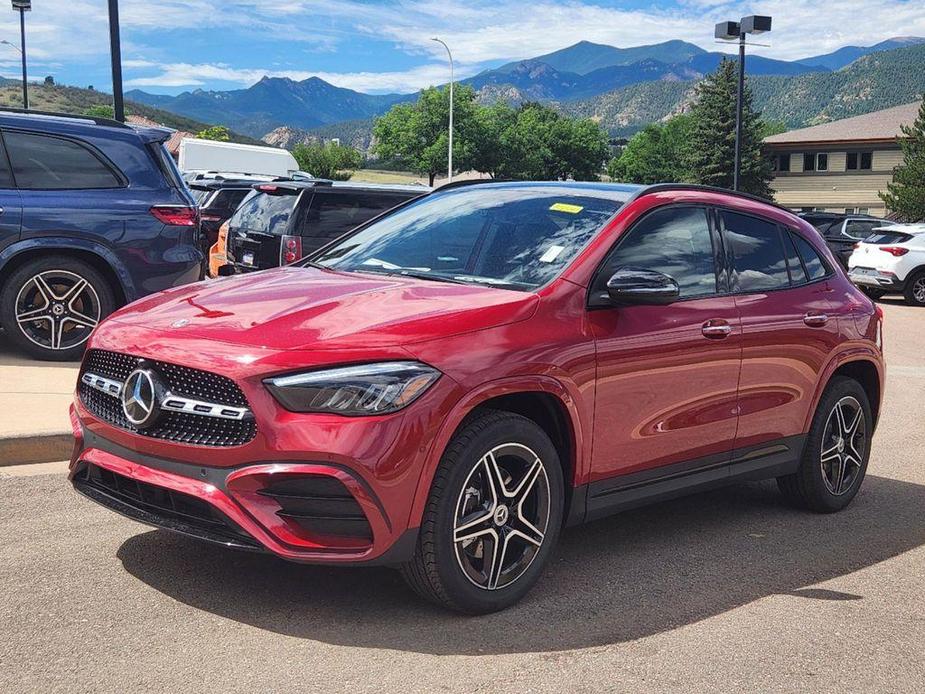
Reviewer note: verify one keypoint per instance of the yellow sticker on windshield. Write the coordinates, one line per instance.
(565, 207)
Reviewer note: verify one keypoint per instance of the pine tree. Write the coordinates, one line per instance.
(905, 196)
(711, 157)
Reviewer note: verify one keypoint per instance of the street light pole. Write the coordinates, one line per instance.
(115, 53)
(753, 24)
(23, 6)
(449, 172)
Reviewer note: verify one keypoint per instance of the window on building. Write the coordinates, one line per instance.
(859, 161)
(781, 162)
(816, 161)
(822, 162)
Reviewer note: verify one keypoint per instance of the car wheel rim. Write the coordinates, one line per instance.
(844, 442)
(57, 309)
(918, 290)
(501, 517)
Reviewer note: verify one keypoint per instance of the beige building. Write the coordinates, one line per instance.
(839, 166)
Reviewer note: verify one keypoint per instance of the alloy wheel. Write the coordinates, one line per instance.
(57, 309)
(502, 516)
(844, 442)
(918, 290)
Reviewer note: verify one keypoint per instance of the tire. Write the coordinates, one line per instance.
(915, 289)
(817, 485)
(459, 575)
(66, 296)
(873, 294)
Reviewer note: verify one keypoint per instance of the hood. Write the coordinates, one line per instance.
(307, 308)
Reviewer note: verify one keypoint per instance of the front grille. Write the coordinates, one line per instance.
(321, 505)
(180, 380)
(160, 506)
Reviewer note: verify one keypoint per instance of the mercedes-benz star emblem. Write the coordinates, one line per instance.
(140, 398)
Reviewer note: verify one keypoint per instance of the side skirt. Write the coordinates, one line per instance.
(615, 494)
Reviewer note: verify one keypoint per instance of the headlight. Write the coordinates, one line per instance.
(366, 389)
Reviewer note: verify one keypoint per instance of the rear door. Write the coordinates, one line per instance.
(10, 205)
(788, 330)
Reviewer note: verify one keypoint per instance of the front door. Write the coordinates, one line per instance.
(10, 205)
(667, 375)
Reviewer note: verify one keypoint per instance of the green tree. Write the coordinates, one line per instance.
(711, 155)
(330, 160)
(219, 133)
(906, 194)
(49, 81)
(657, 154)
(99, 111)
(417, 134)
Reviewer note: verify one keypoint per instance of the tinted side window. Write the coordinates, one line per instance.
(229, 198)
(334, 214)
(52, 163)
(860, 230)
(815, 265)
(674, 241)
(6, 177)
(797, 273)
(757, 253)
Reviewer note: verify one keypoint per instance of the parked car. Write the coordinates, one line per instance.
(444, 389)
(218, 196)
(284, 221)
(842, 231)
(891, 259)
(94, 215)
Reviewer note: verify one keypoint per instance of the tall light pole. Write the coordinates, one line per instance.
(115, 54)
(753, 24)
(449, 171)
(23, 6)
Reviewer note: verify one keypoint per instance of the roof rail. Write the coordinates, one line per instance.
(94, 119)
(659, 187)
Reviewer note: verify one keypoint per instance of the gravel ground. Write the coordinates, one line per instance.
(726, 591)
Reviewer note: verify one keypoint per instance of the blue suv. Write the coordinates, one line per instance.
(93, 215)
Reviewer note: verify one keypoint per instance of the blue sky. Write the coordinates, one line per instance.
(171, 46)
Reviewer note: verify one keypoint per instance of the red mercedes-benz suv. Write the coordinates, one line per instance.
(446, 387)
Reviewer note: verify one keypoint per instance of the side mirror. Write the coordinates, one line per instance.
(630, 285)
(226, 270)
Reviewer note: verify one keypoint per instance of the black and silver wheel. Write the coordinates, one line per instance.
(492, 517)
(49, 307)
(836, 452)
(915, 289)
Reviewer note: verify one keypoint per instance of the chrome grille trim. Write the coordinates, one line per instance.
(171, 402)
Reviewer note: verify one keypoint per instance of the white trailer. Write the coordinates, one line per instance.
(209, 155)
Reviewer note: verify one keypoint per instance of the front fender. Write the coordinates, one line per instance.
(50, 244)
(581, 441)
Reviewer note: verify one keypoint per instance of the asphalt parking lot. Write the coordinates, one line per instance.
(725, 591)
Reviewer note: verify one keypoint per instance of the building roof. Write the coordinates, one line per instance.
(172, 143)
(879, 125)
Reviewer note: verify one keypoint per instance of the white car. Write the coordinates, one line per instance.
(891, 259)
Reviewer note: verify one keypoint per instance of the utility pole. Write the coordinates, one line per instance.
(23, 6)
(449, 173)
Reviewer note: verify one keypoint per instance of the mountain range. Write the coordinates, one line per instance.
(642, 82)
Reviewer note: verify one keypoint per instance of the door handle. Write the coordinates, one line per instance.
(716, 329)
(815, 320)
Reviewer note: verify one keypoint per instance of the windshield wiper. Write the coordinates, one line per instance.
(406, 272)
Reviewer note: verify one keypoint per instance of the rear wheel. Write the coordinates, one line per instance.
(915, 289)
(836, 452)
(49, 306)
(873, 293)
(492, 518)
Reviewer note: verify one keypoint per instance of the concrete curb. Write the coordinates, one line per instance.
(43, 448)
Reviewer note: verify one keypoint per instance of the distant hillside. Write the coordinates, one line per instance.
(273, 102)
(847, 55)
(871, 83)
(76, 100)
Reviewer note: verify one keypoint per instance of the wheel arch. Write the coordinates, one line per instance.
(98, 257)
(865, 367)
(544, 401)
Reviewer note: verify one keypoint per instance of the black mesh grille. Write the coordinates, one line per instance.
(180, 380)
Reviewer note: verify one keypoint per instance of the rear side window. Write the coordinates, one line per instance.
(266, 213)
(200, 195)
(886, 237)
(815, 265)
(674, 241)
(229, 198)
(334, 214)
(53, 163)
(757, 253)
(860, 229)
(797, 272)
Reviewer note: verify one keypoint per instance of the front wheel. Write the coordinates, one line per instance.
(492, 517)
(836, 452)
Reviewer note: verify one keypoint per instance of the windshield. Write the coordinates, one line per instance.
(517, 237)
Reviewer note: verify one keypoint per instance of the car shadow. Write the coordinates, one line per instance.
(618, 579)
